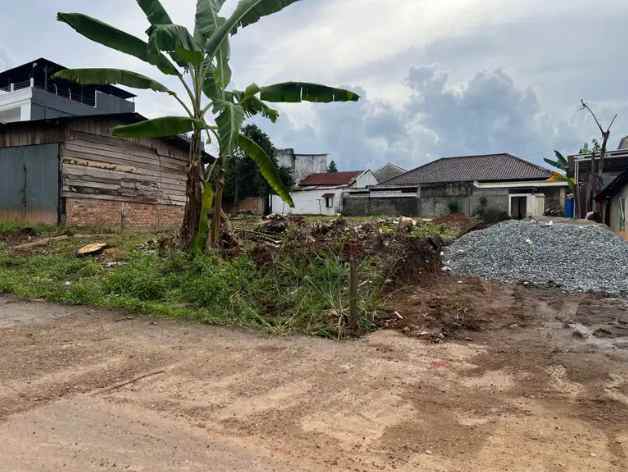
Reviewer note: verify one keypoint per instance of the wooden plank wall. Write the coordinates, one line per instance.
(105, 168)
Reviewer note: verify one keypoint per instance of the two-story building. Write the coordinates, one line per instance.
(29, 93)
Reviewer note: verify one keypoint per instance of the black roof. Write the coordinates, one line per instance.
(491, 167)
(41, 66)
(614, 187)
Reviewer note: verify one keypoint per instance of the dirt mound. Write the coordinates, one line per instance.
(441, 307)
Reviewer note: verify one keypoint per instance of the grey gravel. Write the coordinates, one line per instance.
(578, 258)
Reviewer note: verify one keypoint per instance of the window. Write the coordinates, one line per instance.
(622, 214)
(329, 200)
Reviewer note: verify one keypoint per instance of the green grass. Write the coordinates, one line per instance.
(306, 295)
(10, 228)
(303, 291)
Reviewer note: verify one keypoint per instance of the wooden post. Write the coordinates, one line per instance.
(354, 323)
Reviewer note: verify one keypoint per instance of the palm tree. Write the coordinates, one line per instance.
(201, 62)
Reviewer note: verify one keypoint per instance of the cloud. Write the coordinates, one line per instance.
(488, 75)
(487, 114)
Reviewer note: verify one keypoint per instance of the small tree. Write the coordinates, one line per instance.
(201, 63)
(332, 167)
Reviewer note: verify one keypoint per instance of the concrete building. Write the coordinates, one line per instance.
(615, 199)
(580, 166)
(467, 184)
(28, 92)
(301, 165)
(321, 194)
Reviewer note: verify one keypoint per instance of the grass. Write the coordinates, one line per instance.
(295, 295)
(301, 291)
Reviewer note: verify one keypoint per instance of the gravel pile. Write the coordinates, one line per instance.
(574, 257)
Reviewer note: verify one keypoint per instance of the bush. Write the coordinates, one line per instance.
(454, 206)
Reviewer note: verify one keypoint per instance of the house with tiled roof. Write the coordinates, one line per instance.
(321, 193)
(466, 184)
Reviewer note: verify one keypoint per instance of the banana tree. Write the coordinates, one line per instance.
(562, 164)
(212, 110)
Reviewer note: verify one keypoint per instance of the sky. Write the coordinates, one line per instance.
(436, 78)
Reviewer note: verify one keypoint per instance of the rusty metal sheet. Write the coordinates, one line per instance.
(29, 183)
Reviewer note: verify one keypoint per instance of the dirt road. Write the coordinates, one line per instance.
(86, 390)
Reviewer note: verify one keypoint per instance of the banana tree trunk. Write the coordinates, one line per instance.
(217, 216)
(194, 194)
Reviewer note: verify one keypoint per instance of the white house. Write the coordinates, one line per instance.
(321, 194)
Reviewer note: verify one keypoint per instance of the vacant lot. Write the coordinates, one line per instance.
(542, 388)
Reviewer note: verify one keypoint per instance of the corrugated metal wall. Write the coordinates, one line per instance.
(29, 183)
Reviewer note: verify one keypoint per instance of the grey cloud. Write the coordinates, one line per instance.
(487, 114)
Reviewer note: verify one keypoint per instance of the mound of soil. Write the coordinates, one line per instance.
(442, 307)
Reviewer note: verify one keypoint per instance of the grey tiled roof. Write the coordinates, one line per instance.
(493, 167)
(389, 171)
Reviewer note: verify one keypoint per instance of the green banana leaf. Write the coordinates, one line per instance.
(177, 41)
(253, 106)
(157, 128)
(294, 92)
(263, 8)
(206, 19)
(246, 13)
(116, 39)
(155, 12)
(562, 159)
(229, 123)
(109, 77)
(266, 166)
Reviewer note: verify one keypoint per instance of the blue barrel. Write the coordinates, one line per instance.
(570, 207)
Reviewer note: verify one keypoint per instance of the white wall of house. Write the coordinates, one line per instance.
(619, 213)
(310, 202)
(365, 180)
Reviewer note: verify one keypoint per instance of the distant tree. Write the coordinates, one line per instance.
(242, 176)
(332, 168)
(595, 147)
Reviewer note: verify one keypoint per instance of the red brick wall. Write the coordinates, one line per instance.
(88, 212)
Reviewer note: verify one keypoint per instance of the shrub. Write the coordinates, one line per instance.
(454, 206)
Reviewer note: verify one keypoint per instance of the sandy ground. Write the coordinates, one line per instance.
(546, 393)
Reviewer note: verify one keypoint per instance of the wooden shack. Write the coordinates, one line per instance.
(72, 171)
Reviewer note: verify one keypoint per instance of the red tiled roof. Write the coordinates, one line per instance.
(330, 178)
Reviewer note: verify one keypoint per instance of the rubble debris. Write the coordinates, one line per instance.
(92, 249)
(576, 258)
(273, 224)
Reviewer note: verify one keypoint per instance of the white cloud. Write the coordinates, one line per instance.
(515, 69)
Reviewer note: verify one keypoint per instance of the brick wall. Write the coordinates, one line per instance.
(88, 212)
